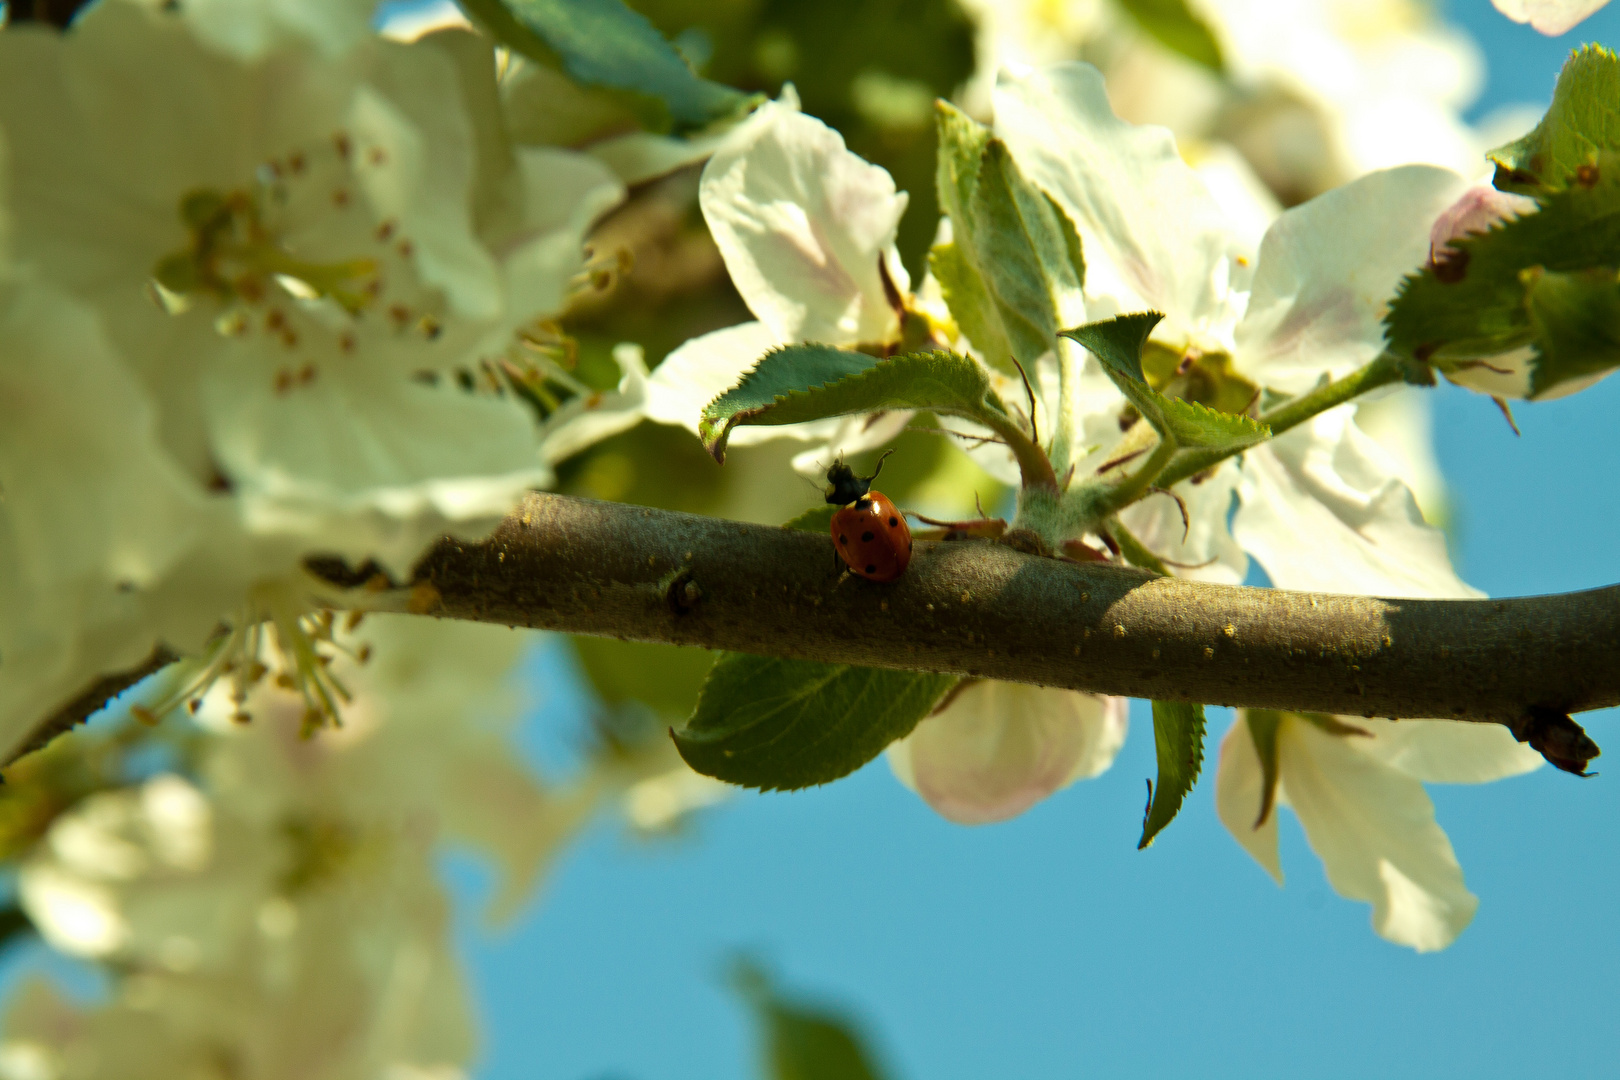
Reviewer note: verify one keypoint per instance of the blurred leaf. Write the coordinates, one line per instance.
(817, 519)
(1178, 736)
(604, 43)
(1582, 122)
(811, 382)
(780, 725)
(1118, 344)
(666, 678)
(869, 68)
(1175, 27)
(1013, 251)
(1545, 280)
(803, 1043)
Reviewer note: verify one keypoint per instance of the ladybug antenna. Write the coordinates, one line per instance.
(879, 468)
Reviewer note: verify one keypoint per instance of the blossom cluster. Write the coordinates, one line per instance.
(1264, 303)
(271, 287)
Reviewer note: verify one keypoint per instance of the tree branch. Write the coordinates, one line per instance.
(983, 609)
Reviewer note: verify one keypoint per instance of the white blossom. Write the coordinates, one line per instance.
(803, 225)
(1357, 787)
(314, 271)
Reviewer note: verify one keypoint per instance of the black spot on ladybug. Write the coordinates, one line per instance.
(842, 539)
(866, 537)
(893, 522)
(871, 568)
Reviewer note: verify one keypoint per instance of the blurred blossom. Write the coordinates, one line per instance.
(307, 287)
(282, 912)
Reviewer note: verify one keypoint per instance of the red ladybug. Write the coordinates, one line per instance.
(870, 534)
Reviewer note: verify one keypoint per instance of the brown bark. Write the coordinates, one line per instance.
(983, 609)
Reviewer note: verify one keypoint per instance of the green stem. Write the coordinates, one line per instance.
(1136, 553)
(1137, 484)
(1032, 461)
(1380, 371)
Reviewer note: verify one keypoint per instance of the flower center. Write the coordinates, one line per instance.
(233, 256)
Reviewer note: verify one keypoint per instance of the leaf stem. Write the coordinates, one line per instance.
(1137, 484)
(1380, 371)
(1032, 461)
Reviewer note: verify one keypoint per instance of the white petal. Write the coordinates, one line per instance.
(1401, 423)
(1551, 17)
(999, 748)
(96, 519)
(248, 29)
(370, 466)
(704, 368)
(1239, 789)
(802, 224)
(1153, 235)
(1209, 552)
(1373, 828)
(1322, 508)
(1327, 271)
(589, 418)
(853, 435)
(1446, 751)
(564, 194)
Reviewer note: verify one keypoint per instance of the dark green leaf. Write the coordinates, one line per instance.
(607, 44)
(1178, 736)
(1582, 122)
(1175, 26)
(811, 382)
(786, 724)
(1014, 253)
(1118, 344)
(801, 1042)
(1545, 280)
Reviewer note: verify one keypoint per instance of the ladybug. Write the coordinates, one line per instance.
(870, 534)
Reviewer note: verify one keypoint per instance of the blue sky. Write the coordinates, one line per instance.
(1049, 946)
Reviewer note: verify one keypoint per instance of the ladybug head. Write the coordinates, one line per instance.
(844, 487)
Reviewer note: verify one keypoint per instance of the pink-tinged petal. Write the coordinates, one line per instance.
(803, 224)
(1327, 271)
(998, 748)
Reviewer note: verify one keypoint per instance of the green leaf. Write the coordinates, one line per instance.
(1178, 736)
(817, 519)
(1175, 27)
(1544, 280)
(607, 44)
(1014, 253)
(800, 1042)
(1582, 122)
(1118, 344)
(780, 725)
(666, 678)
(811, 382)
(1263, 725)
